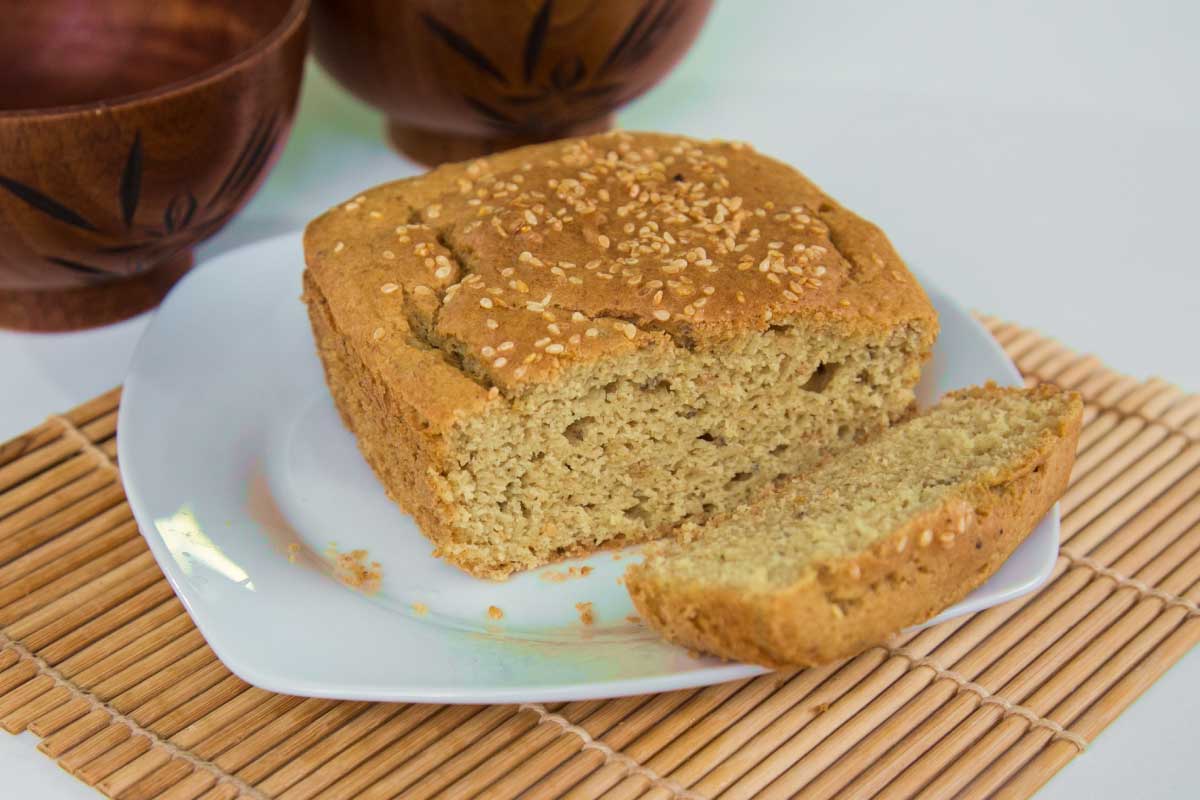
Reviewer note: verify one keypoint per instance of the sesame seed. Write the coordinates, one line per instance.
(377, 334)
(351, 206)
(486, 302)
(819, 271)
(545, 340)
(487, 351)
(375, 215)
(421, 288)
(603, 241)
(388, 288)
(926, 538)
(555, 348)
(442, 272)
(662, 314)
(947, 538)
(499, 362)
(505, 346)
(592, 333)
(434, 211)
(492, 324)
(530, 217)
(339, 247)
(553, 328)
(844, 303)
(519, 372)
(902, 543)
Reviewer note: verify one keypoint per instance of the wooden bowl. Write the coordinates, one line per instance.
(129, 132)
(461, 78)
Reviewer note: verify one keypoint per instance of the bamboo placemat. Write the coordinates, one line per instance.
(100, 660)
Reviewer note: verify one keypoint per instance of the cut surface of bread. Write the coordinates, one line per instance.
(878, 538)
(584, 343)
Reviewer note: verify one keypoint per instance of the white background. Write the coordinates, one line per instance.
(1038, 160)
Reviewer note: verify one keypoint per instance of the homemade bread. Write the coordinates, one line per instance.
(882, 536)
(587, 342)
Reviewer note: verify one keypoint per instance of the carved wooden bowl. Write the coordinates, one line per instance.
(460, 78)
(129, 132)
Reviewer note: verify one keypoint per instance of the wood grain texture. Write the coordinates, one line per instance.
(99, 659)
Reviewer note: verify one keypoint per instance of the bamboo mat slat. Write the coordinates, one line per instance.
(99, 659)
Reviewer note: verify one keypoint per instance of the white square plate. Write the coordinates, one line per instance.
(240, 475)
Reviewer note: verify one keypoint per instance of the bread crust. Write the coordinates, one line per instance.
(927, 564)
(434, 301)
(850, 279)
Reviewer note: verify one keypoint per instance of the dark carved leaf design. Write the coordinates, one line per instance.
(536, 38)
(650, 35)
(259, 155)
(86, 269)
(179, 212)
(525, 99)
(46, 205)
(119, 249)
(464, 48)
(492, 115)
(567, 74)
(614, 55)
(249, 161)
(130, 189)
(599, 92)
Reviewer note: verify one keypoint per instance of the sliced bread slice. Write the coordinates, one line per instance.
(878, 538)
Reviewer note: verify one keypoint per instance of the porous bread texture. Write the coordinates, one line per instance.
(582, 344)
(880, 537)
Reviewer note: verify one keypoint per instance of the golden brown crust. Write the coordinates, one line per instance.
(929, 563)
(530, 260)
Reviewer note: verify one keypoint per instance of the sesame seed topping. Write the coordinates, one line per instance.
(603, 241)
(555, 348)
(377, 334)
(499, 362)
(592, 333)
(486, 302)
(491, 324)
(434, 211)
(388, 288)
(389, 255)
(375, 215)
(339, 247)
(662, 314)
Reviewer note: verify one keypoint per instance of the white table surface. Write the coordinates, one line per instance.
(1036, 159)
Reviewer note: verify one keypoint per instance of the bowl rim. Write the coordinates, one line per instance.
(296, 16)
